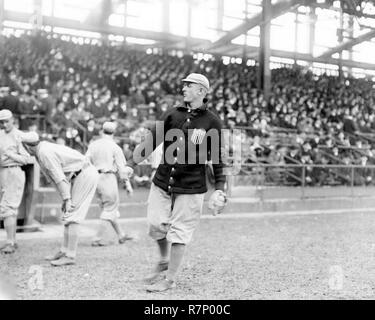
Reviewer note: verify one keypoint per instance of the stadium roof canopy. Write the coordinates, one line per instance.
(322, 33)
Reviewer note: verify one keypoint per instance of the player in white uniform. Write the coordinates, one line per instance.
(76, 180)
(109, 160)
(12, 178)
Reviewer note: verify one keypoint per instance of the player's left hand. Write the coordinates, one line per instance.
(67, 208)
(217, 202)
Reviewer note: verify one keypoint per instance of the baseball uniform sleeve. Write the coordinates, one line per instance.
(22, 157)
(120, 162)
(18, 153)
(88, 154)
(152, 140)
(51, 166)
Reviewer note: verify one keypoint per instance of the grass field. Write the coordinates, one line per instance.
(273, 257)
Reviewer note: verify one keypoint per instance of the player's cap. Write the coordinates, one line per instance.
(30, 138)
(109, 127)
(5, 114)
(198, 78)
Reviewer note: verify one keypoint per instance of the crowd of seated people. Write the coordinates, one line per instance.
(67, 90)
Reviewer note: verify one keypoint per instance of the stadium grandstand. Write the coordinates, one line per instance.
(68, 66)
(296, 78)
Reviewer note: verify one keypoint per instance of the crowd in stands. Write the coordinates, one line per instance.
(68, 90)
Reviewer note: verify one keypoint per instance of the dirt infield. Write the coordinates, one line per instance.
(285, 257)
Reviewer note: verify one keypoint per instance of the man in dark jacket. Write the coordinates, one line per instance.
(192, 136)
(9, 102)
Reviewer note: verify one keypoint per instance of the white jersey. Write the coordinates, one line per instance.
(11, 143)
(57, 160)
(107, 156)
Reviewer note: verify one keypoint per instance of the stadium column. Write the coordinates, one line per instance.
(125, 15)
(296, 24)
(188, 38)
(166, 18)
(37, 18)
(351, 36)
(105, 12)
(244, 48)
(2, 8)
(264, 72)
(312, 22)
(340, 37)
(220, 15)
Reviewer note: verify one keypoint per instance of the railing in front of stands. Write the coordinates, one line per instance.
(304, 175)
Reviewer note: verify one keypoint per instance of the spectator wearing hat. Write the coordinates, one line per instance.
(109, 160)
(12, 178)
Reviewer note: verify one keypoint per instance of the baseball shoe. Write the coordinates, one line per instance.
(8, 249)
(160, 267)
(161, 286)
(55, 256)
(64, 261)
(125, 238)
(7, 244)
(99, 243)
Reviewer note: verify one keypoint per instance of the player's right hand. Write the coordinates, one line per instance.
(128, 171)
(128, 187)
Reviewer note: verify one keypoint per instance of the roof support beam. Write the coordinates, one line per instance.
(254, 54)
(348, 44)
(1, 14)
(197, 45)
(276, 10)
(73, 24)
(354, 13)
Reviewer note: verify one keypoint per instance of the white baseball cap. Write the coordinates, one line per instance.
(5, 114)
(109, 127)
(197, 78)
(31, 138)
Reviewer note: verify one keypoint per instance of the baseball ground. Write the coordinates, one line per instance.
(313, 256)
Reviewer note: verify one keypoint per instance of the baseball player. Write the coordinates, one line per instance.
(177, 193)
(12, 178)
(76, 180)
(109, 160)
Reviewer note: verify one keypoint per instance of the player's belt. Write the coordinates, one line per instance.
(105, 172)
(6, 167)
(75, 174)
